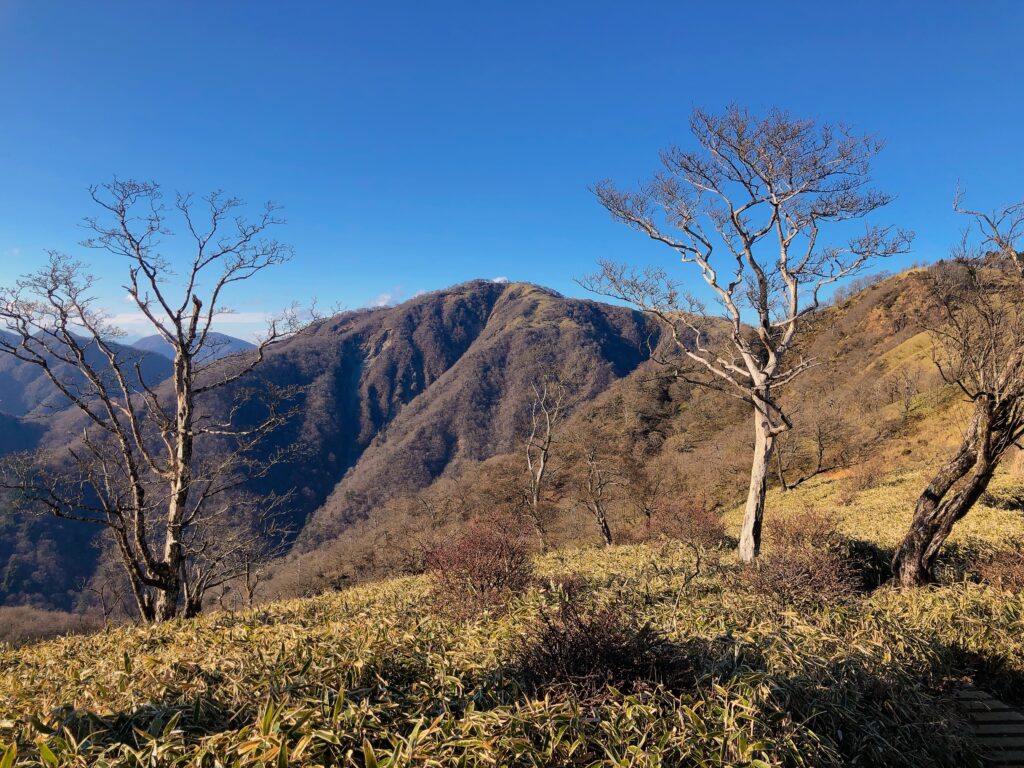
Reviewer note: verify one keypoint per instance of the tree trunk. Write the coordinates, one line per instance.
(935, 514)
(165, 606)
(750, 534)
(602, 523)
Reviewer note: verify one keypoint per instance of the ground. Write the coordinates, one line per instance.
(384, 675)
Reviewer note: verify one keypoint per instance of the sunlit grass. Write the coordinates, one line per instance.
(373, 676)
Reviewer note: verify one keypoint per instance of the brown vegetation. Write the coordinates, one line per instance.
(481, 567)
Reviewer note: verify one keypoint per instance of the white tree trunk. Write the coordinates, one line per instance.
(750, 534)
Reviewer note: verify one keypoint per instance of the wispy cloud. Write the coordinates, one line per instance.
(387, 298)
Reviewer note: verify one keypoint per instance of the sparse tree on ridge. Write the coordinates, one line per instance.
(159, 467)
(979, 347)
(748, 209)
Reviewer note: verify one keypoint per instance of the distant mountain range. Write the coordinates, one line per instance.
(25, 389)
(218, 345)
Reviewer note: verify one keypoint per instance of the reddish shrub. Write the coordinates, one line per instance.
(696, 527)
(807, 529)
(808, 564)
(482, 566)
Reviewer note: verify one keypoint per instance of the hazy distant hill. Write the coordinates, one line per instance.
(218, 345)
(25, 389)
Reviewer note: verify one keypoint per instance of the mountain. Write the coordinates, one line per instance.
(26, 390)
(417, 403)
(218, 346)
(667, 443)
(394, 397)
(18, 434)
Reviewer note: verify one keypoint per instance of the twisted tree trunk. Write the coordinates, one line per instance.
(937, 511)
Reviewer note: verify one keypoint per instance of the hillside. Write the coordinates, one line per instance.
(670, 444)
(385, 675)
(449, 372)
(411, 422)
(638, 653)
(26, 390)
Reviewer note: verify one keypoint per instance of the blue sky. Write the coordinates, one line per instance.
(415, 145)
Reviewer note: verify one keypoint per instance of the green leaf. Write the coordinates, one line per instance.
(369, 759)
(47, 754)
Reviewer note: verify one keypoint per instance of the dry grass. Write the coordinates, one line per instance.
(679, 671)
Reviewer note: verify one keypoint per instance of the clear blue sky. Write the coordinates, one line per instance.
(415, 145)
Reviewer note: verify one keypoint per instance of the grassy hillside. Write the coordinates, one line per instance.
(384, 675)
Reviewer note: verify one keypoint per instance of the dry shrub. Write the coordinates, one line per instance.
(482, 566)
(22, 624)
(808, 565)
(694, 526)
(582, 650)
(863, 476)
(697, 530)
(807, 529)
(1004, 567)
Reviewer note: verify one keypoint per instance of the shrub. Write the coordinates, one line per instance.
(583, 649)
(482, 566)
(21, 624)
(696, 529)
(1003, 567)
(808, 564)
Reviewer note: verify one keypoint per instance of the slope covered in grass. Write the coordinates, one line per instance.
(383, 675)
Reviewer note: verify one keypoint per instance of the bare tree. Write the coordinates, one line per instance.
(160, 468)
(761, 190)
(550, 401)
(903, 388)
(977, 347)
(596, 478)
(819, 446)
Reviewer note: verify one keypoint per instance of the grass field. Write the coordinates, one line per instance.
(379, 676)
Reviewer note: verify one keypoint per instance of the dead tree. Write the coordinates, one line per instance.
(760, 190)
(595, 482)
(978, 348)
(160, 468)
(550, 401)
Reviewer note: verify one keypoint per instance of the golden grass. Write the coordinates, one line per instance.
(372, 677)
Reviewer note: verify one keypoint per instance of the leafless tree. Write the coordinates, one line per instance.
(596, 478)
(549, 405)
(159, 467)
(760, 190)
(819, 446)
(903, 388)
(978, 347)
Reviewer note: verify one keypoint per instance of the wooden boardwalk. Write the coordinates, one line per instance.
(998, 727)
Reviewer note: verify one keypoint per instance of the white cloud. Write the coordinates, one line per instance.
(501, 279)
(387, 298)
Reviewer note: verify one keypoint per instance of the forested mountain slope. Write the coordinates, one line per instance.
(389, 398)
(666, 443)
